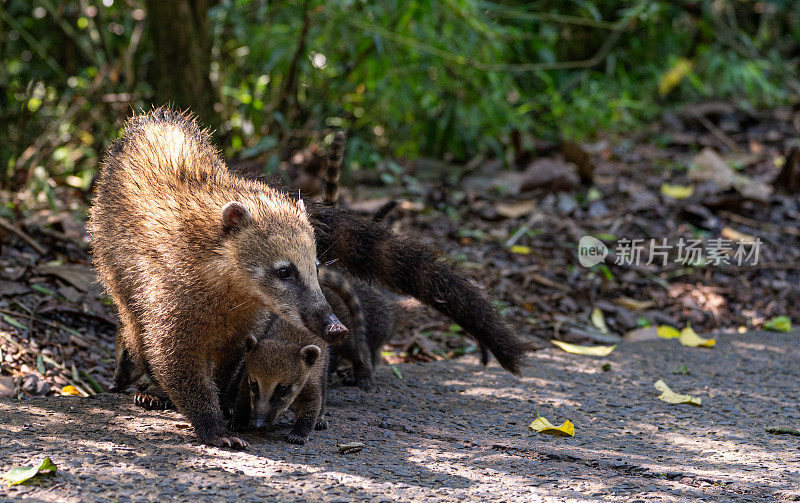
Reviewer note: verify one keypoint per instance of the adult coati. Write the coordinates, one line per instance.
(192, 256)
(130, 242)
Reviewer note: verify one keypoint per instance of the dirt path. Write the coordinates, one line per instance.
(451, 431)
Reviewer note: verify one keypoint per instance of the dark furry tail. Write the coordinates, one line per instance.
(371, 251)
(333, 167)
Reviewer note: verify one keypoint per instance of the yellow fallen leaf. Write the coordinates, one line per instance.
(599, 320)
(633, 304)
(522, 250)
(677, 191)
(70, 391)
(542, 425)
(669, 396)
(584, 350)
(741, 330)
(689, 338)
(674, 76)
(668, 332)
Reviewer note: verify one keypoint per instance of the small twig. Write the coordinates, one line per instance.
(792, 231)
(8, 226)
(73, 333)
(720, 134)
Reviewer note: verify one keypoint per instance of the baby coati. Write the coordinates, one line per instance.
(283, 366)
(192, 257)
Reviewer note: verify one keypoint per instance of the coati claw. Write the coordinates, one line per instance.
(228, 440)
(322, 424)
(295, 439)
(151, 402)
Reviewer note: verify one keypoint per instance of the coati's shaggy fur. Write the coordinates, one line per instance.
(283, 366)
(192, 256)
(369, 250)
(362, 349)
(333, 167)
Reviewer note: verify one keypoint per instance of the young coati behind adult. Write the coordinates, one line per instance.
(362, 349)
(363, 309)
(192, 256)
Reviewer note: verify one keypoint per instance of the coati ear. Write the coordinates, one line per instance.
(301, 205)
(309, 354)
(235, 217)
(250, 343)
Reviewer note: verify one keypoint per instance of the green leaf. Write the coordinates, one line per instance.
(397, 372)
(41, 289)
(682, 369)
(13, 322)
(779, 324)
(25, 473)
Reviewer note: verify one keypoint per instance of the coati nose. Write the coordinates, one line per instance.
(335, 331)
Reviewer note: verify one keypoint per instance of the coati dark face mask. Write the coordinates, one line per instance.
(277, 371)
(277, 261)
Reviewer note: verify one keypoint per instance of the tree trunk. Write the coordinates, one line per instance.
(182, 56)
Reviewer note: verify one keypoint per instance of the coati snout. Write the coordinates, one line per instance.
(277, 371)
(277, 263)
(322, 322)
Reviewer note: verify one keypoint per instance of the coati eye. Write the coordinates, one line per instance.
(281, 390)
(284, 273)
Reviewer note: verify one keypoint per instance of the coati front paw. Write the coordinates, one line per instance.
(228, 440)
(293, 438)
(152, 402)
(321, 424)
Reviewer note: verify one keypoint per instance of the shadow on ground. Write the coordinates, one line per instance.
(451, 430)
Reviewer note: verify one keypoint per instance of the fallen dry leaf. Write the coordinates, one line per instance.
(599, 320)
(668, 332)
(542, 425)
(521, 250)
(633, 304)
(735, 235)
(669, 396)
(689, 338)
(515, 209)
(677, 191)
(584, 350)
(70, 391)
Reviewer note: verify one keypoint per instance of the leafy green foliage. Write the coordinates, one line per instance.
(446, 79)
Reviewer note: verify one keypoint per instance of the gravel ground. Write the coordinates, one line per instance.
(450, 431)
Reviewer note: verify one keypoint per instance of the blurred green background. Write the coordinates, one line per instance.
(449, 79)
